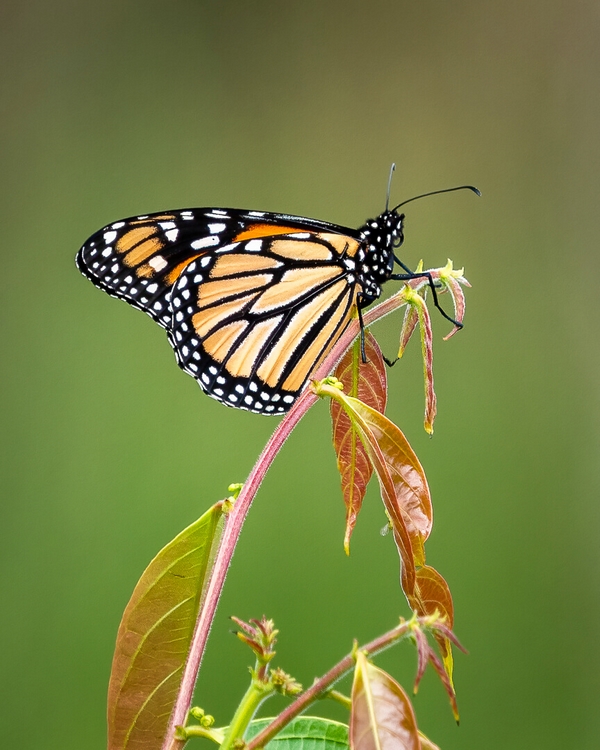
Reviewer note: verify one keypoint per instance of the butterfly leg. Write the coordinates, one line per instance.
(426, 275)
(363, 354)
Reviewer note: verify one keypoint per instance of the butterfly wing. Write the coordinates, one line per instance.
(253, 319)
(139, 259)
(251, 300)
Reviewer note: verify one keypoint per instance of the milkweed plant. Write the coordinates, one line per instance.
(165, 626)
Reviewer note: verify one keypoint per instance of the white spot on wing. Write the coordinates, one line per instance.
(157, 263)
(254, 246)
(205, 242)
(216, 228)
(110, 237)
(227, 248)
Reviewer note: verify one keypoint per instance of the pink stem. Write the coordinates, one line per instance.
(235, 520)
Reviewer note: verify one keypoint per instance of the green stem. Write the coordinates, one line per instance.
(197, 730)
(335, 695)
(255, 695)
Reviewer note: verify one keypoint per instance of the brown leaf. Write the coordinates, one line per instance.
(432, 593)
(397, 518)
(155, 635)
(427, 353)
(401, 477)
(368, 382)
(411, 318)
(382, 716)
(411, 493)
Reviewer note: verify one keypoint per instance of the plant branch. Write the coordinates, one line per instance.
(233, 528)
(323, 685)
(235, 520)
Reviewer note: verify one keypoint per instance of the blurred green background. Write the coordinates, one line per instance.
(112, 109)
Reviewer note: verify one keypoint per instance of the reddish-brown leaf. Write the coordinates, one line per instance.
(432, 593)
(366, 381)
(427, 353)
(382, 717)
(401, 477)
(411, 493)
(411, 318)
(398, 519)
(155, 635)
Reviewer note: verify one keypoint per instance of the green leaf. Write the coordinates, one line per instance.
(155, 635)
(304, 733)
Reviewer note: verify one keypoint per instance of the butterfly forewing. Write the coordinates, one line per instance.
(252, 319)
(251, 300)
(138, 259)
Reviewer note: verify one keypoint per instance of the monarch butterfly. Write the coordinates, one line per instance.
(251, 301)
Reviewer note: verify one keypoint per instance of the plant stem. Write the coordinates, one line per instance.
(233, 528)
(235, 520)
(323, 684)
(196, 730)
(255, 695)
(335, 695)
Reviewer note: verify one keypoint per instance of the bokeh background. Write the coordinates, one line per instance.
(108, 450)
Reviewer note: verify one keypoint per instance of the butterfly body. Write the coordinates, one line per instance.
(251, 301)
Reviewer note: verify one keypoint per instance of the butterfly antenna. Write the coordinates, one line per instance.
(437, 192)
(387, 199)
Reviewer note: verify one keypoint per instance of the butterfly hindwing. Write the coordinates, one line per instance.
(253, 318)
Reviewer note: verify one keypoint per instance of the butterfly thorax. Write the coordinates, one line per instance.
(380, 236)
